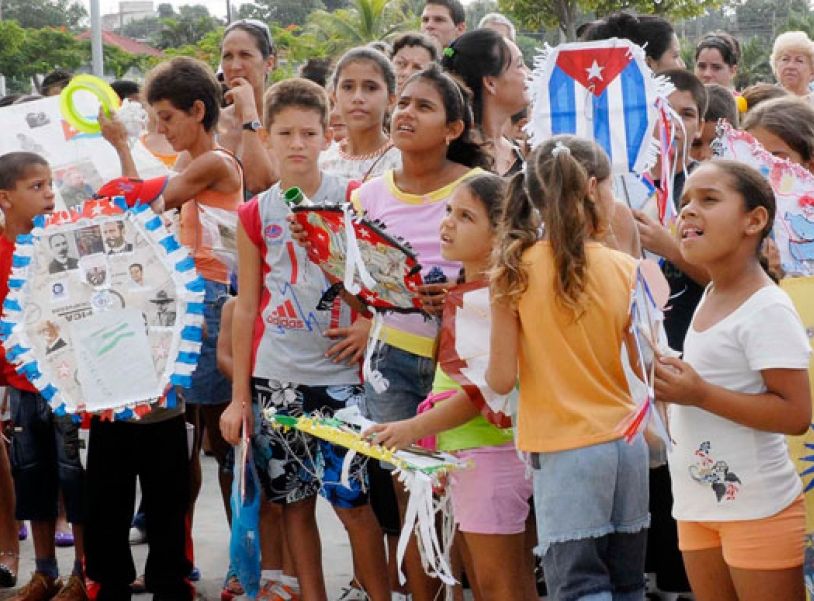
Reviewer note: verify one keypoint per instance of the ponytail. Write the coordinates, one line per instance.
(517, 231)
(555, 183)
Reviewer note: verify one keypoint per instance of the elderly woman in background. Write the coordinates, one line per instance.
(792, 62)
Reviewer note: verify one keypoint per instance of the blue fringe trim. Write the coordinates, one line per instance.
(14, 352)
(20, 261)
(25, 239)
(188, 358)
(11, 304)
(196, 285)
(179, 380)
(171, 398)
(195, 308)
(153, 224)
(15, 284)
(30, 370)
(5, 328)
(120, 202)
(124, 414)
(39, 221)
(170, 244)
(60, 410)
(49, 392)
(192, 333)
(185, 265)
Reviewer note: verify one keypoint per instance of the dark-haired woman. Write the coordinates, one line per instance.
(716, 59)
(247, 58)
(492, 67)
(431, 126)
(655, 34)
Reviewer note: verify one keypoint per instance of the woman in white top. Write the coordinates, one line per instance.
(742, 385)
(792, 62)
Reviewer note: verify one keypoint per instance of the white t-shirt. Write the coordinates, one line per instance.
(721, 470)
(361, 169)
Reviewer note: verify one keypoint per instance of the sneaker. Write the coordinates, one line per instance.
(276, 591)
(396, 596)
(137, 536)
(74, 590)
(352, 593)
(39, 588)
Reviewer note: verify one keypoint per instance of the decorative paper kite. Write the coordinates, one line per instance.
(794, 193)
(603, 91)
(105, 310)
(649, 296)
(464, 354)
(381, 270)
(420, 471)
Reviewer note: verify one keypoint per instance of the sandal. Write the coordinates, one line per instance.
(64, 539)
(8, 579)
(231, 587)
(137, 586)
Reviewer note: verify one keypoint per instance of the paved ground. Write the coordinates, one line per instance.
(211, 545)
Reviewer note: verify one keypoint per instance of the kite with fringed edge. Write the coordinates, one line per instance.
(603, 91)
(104, 313)
(358, 254)
(793, 187)
(464, 350)
(421, 472)
(646, 342)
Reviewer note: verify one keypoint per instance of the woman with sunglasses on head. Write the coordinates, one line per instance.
(247, 58)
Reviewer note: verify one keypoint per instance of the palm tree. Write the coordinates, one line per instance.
(754, 65)
(366, 21)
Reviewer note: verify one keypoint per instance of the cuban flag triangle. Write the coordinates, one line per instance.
(602, 91)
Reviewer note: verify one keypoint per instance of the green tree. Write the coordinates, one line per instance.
(476, 10)
(294, 47)
(565, 14)
(12, 39)
(367, 21)
(280, 12)
(142, 29)
(165, 10)
(754, 64)
(44, 13)
(189, 26)
(206, 49)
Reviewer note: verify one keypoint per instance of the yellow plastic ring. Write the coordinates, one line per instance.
(98, 87)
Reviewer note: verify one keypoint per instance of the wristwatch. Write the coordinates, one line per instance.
(253, 125)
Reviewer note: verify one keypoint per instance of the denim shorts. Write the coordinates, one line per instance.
(209, 386)
(293, 466)
(592, 514)
(44, 460)
(410, 377)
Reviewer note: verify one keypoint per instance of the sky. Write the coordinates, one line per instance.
(216, 7)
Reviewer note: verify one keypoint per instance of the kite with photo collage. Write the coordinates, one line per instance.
(105, 309)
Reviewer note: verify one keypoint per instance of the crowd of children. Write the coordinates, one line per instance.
(424, 137)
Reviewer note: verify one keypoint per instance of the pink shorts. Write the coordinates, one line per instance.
(492, 496)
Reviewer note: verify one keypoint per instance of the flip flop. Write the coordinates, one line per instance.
(64, 539)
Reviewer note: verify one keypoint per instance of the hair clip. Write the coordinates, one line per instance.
(742, 104)
(560, 148)
(449, 51)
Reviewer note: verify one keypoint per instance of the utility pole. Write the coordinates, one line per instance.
(97, 56)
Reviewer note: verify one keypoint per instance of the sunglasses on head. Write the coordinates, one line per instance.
(255, 25)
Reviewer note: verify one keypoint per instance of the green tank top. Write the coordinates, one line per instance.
(477, 432)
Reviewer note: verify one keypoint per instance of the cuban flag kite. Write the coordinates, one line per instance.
(603, 91)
